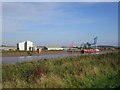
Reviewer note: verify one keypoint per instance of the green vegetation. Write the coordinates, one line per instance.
(86, 71)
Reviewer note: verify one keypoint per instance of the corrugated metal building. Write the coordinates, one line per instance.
(66, 48)
(69, 48)
(26, 45)
(54, 48)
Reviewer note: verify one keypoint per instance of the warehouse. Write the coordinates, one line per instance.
(26, 45)
(13, 48)
(54, 48)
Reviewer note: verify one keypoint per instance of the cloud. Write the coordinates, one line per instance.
(29, 9)
(9, 25)
(14, 14)
(24, 10)
(18, 16)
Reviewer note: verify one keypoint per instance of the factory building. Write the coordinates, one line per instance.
(21, 46)
(69, 48)
(54, 48)
(12, 48)
(26, 45)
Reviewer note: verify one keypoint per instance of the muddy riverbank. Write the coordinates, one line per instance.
(18, 54)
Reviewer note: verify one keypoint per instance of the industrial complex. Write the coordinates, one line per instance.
(30, 46)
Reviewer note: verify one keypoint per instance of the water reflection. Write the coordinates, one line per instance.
(13, 60)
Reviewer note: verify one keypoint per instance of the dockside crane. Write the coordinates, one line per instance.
(71, 46)
(89, 44)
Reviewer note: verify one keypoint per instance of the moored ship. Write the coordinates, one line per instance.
(91, 50)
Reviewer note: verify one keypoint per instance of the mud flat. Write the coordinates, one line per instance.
(18, 54)
(25, 53)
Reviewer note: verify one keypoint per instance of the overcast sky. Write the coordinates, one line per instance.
(60, 23)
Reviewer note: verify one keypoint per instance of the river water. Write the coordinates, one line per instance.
(13, 60)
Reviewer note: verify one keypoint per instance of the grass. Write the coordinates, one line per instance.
(86, 71)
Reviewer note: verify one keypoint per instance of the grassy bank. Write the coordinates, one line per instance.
(87, 71)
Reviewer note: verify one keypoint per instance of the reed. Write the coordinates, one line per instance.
(86, 71)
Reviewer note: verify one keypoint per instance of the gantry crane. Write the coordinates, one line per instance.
(71, 46)
(89, 44)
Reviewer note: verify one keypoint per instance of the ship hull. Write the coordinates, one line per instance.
(91, 51)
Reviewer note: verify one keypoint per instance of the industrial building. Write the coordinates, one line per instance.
(57, 48)
(54, 48)
(26, 45)
(12, 48)
(69, 48)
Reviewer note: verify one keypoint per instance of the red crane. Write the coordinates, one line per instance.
(71, 46)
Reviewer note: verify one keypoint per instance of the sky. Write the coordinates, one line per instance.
(60, 0)
(59, 23)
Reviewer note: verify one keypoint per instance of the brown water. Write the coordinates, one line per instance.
(13, 60)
